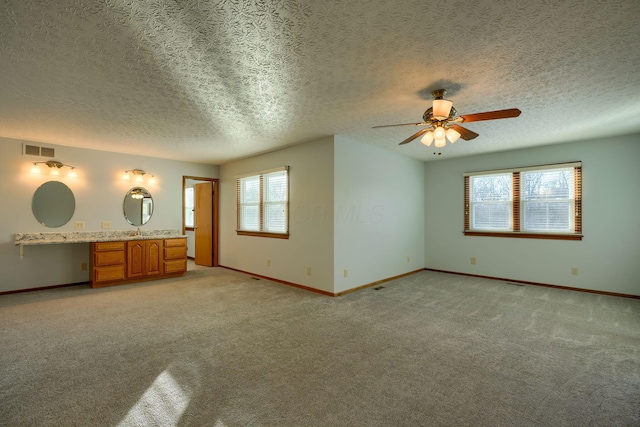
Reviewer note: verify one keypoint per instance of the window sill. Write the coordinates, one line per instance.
(549, 236)
(262, 234)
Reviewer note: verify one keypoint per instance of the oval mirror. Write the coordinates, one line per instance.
(53, 204)
(137, 206)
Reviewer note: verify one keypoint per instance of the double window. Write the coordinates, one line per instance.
(534, 202)
(262, 200)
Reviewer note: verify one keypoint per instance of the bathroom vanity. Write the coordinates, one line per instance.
(119, 257)
(116, 257)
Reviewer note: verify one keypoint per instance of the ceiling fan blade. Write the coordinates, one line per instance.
(415, 135)
(490, 115)
(465, 133)
(402, 124)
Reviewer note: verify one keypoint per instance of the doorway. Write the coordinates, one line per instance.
(200, 219)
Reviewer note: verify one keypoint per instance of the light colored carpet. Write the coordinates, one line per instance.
(218, 348)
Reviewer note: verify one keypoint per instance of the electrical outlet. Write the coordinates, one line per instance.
(574, 271)
(346, 273)
(473, 260)
(268, 263)
(106, 224)
(78, 225)
(308, 271)
(83, 266)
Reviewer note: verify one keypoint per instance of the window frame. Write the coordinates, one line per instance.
(262, 202)
(187, 208)
(516, 200)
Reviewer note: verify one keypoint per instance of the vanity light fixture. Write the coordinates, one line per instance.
(138, 175)
(54, 168)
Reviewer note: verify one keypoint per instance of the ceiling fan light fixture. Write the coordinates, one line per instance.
(452, 135)
(427, 139)
(441, 108)
(442, 122)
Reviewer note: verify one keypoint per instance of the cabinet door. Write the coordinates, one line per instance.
(135, 258)
(153, 257)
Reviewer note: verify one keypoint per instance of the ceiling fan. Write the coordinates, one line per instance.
(443, 124)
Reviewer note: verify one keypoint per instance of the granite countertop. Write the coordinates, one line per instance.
(49, 238)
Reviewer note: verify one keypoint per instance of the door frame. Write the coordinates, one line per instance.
(214, 210)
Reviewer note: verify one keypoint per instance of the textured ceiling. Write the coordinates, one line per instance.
(213, 81)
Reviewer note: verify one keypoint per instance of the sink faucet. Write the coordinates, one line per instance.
(139, 233)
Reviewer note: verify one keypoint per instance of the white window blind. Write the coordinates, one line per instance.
(548, 200)
(275, 202)
(250, 203)
(263, 202)
(491, 202)
(188, 207)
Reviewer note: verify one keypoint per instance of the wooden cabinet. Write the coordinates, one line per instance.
(144, 258)
(108, 262)
(175, 255)
(119, 262)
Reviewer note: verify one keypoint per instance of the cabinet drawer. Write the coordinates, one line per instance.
(108, 274)
(108, 246)
(175, 242)
(108, 258)
(175, 252)
(175, 266)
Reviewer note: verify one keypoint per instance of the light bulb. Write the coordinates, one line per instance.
(440, 143)
(452, 135)
(438, 133)
(427, 139)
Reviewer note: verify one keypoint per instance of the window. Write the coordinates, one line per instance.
(263, 203)
(534, 202)
(188, 208)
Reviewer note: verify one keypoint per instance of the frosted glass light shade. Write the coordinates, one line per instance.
(441, 108)
(438, 133)
(440, 143)
(35, 169)
(54, 172)
(452, 135)
(427, 139)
